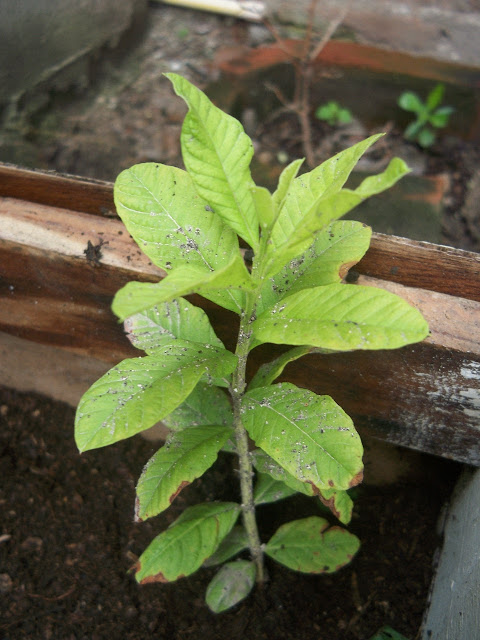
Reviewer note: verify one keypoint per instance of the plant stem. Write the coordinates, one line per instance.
(237, 391)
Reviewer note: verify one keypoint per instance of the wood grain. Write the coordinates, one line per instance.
(423, 265)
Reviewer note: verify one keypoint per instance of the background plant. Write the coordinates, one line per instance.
(430, 116)
(333, 114)
(189, 224)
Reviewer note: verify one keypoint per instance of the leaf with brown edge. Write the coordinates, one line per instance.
(335, 250)
(187, 543)
(308, 435)
(339, 503)
(357, 479)
(159, 577)
(308, 545)
(186, 455)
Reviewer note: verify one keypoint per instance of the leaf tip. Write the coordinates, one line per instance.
(345, 268)
(357, 479)
(157, 577)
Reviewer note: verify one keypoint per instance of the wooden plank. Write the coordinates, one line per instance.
(454, 611)
(239, 61)
(412, 263)
(53, 189)
(426, 396)
(423, 265)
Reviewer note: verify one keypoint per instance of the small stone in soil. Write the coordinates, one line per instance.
(6, 583)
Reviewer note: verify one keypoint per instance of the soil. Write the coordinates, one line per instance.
(68, 540)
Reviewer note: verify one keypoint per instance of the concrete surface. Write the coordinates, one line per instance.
(50, 41)
(448, 30)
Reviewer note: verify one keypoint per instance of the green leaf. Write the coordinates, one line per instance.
(269, 490)
(267, 466)
(306, 191)
(411, 102)
(270, 371)
(173, 226)
(308, 545)
(327, 111)
(374, 185)
(217, 153)
(169, 221)
(441, 116)
(264, 206)
(342, 317)
(426, 137)
(333, 113)
(439, 119)
(231, 545)
(187, 543)
(413, 129)
(232, 584)
(435, 97)
(158, 325)
(335, 250)
(339, 503)
(310, 436)
(139, 392)
(344, 116)
(312, 203)
(136, 297)
(185, 456)
(205, 405)
(284, 182)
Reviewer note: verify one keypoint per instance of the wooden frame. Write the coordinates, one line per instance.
(64, 253)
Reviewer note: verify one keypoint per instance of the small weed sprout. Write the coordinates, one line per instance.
(333, 114)
(189, 224)
(430, 116)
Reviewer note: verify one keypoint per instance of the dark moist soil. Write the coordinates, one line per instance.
(68, 540)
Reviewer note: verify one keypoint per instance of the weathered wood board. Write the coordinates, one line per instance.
(454, 611)
(55, 289)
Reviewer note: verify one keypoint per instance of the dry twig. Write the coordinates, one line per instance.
(304, 66)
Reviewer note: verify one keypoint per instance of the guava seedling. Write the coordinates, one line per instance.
(190, 223)
(333, 114)
(430, 116)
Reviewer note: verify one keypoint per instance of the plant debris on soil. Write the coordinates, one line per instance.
(68, 541)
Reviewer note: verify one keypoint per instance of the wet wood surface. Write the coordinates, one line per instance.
(60, 267)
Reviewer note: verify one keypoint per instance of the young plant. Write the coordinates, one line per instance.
(333, 114)
(189, 224)
(430, 116)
